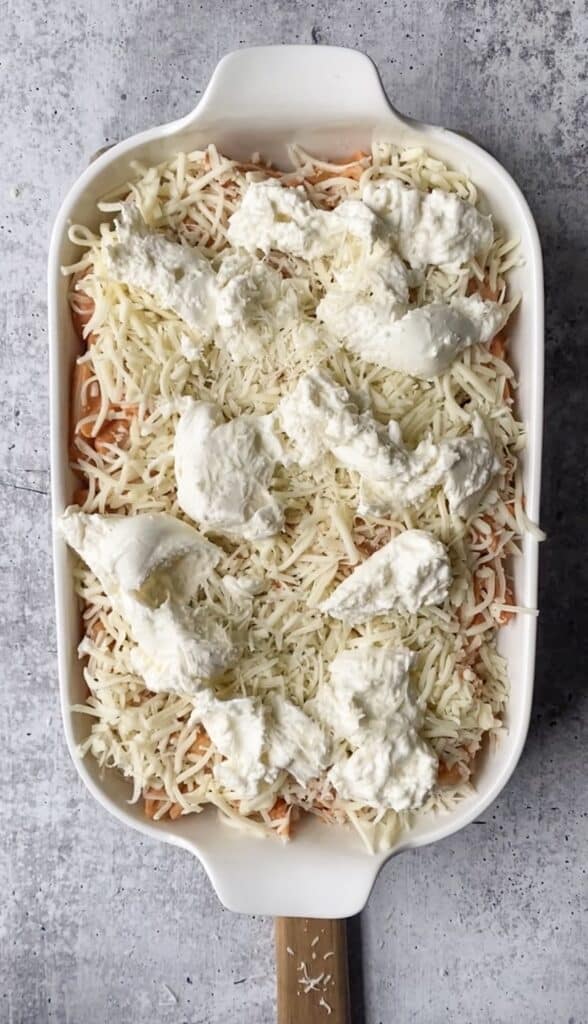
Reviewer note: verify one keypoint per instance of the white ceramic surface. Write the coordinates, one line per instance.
(331, 101)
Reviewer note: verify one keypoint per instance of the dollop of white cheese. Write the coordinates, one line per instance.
(368, 701)
(462, 466)
(151, 566)
(274, 217)
(475, 464)
(376, 276)
(253, 303)
(397, 772)
(487, 317)
(416, 473)
(243, 305)
(366, 689)
(319, 416)
(296, 743)
(351, 217)
(436, 228)
(259, 739)
(238, 729)
(421, 342)
(409, 572)
(224, 469)
(240, 306)
(177, 276)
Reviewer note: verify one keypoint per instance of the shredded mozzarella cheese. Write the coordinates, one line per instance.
(141, 361)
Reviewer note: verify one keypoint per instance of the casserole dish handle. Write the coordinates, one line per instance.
(287, 83)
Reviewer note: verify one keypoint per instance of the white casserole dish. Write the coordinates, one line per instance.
(331, 101)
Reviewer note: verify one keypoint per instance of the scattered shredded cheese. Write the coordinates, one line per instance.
(309, 984)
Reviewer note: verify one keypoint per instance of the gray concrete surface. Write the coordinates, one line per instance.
(95, 922)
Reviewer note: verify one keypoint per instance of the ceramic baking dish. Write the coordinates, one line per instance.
(331, 101)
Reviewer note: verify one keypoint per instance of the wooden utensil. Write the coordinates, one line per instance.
(312, 971)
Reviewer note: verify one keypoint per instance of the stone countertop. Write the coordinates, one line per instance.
(102, 926)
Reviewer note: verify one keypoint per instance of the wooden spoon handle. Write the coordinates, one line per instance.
(312, 970)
